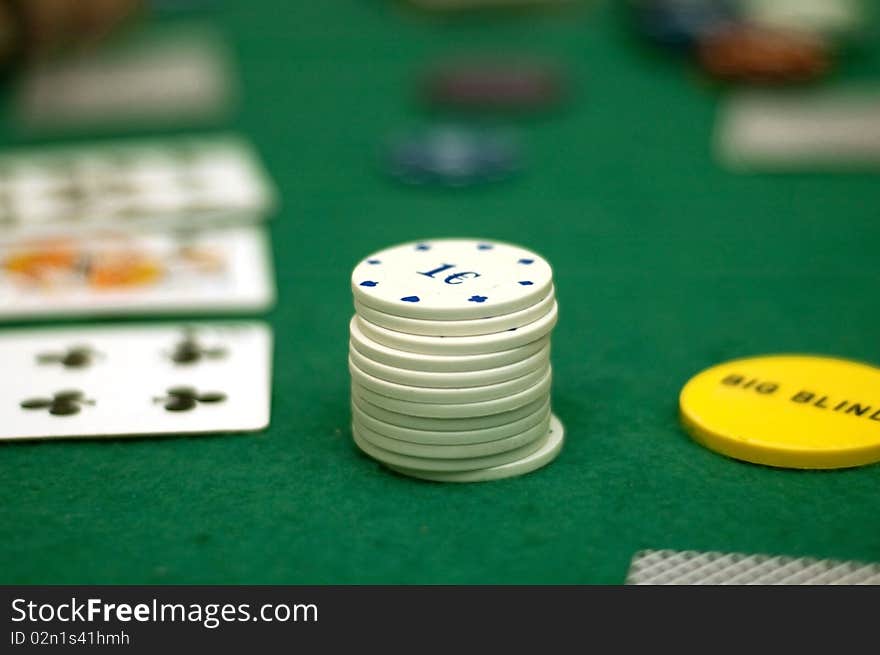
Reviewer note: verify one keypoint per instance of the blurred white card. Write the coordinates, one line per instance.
(820, 130)
(831, 18)
(131, 273)
(157, 77)
(181, 181)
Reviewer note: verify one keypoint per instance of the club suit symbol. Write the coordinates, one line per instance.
(62, 403)
(184, 399)
(73, 357)
(189, 351)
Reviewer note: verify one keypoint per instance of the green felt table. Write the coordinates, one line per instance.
(665, 263)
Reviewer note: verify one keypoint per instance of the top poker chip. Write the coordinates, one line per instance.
(452, 279)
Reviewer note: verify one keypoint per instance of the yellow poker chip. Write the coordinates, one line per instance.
(791, 411)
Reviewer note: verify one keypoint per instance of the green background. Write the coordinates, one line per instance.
(665, 264)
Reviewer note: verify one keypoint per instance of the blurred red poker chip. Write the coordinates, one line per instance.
(746, 53)
(495, 85)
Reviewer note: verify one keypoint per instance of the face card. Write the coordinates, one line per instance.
(821, 130)
(135, 380)
(691, 567)
(181, 182)
(158, 77)
(114, 273)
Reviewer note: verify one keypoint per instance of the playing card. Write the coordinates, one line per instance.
(153, 78)
(135, 380)
(121, 272)
(180, 181)
(789, 130)
(691, 567)
(829, 18)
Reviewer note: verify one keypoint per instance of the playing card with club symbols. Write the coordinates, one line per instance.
(124, 273)
(137, 380)
(182, 181)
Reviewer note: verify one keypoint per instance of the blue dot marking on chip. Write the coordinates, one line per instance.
(526, 283)
(478, 299)
(368, 283)
(484, 246)
(526, 261)
(410, 299)
(423, 246)
(374, 261)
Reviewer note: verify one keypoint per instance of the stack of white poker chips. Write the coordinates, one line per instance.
(450, 360)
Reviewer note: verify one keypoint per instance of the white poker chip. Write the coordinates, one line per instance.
(445, 465)
(452, 379)
(476, 345)
(438, 363)
(457, 410)
(451, 279)
(459, 424)
(450, 437)
(474, 327)
(546, 453)
(456, 451)
(446, 395)
(449, 357)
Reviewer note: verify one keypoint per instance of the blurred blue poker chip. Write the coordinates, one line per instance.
(453, 155)
(680, 24)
